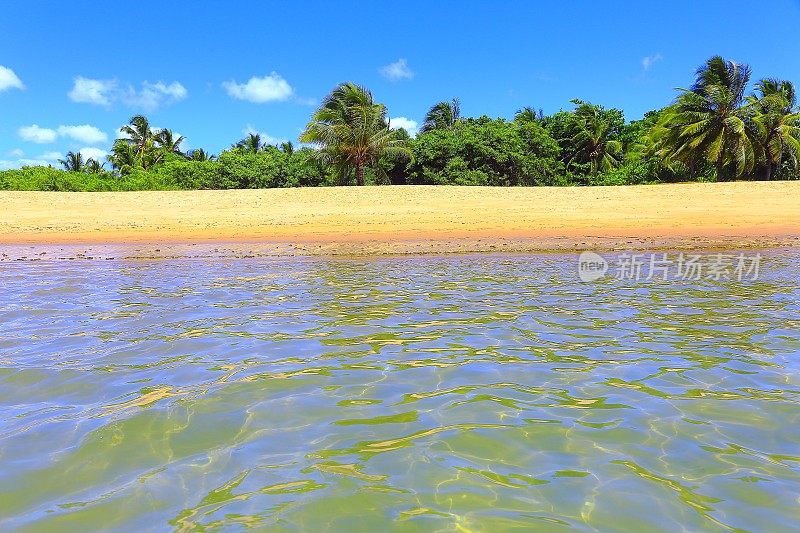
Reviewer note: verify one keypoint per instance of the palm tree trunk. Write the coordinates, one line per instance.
(359, 173)
(777, 162)
(768, 173)
(720, 162)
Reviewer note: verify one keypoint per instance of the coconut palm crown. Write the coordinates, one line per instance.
(351, 132)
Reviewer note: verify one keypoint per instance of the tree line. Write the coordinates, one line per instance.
(712, 131)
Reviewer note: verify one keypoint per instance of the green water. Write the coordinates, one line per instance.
(464, 393)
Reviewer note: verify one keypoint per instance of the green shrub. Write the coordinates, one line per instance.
(484, 151)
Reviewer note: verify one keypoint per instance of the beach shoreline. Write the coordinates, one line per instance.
(402, 220)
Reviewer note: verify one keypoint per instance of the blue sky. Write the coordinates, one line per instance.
(71, 73)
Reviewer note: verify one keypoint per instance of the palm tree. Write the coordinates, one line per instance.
(529, 114)
(138, 148)
(251, 144)
(93, 166)
(708, 122)
(199, 154)
(73, 162)
(287, 147)
(593, 145)
(139, 133)
(123, 156)
(165, 139)
(352, 132)
(442, 116)
(776, 124)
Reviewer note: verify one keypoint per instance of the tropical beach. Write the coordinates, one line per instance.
(412, 267)
(420, 219)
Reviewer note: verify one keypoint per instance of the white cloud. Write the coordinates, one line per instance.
(51, 156)
(16, 152)
(397, 71)
(407, 124)
(153, 95)
(19, 163)
(37, 134)
(173, 90)
(106, 92)
(83, 133)
(89, 91)
(649, 61)
(93, 153)
(272, 88)
(9, 79)
(266, 138)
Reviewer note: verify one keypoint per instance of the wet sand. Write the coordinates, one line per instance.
(398, 220)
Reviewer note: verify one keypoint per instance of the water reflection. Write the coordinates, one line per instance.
(462, 393)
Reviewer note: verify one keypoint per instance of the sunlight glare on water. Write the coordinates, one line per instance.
(453, 393)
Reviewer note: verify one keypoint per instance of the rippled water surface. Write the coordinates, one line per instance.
(463, 393)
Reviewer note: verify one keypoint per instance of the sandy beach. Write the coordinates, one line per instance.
(403, 219)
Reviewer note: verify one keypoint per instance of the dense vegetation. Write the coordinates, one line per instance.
(713, 131)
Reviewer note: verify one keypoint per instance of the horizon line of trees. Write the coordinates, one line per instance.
(712, 131)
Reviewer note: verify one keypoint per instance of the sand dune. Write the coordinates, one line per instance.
(403, 219)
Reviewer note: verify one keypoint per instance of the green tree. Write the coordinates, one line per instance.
(708, 122)
(640, 162)
(139, 134)
(140, 146)
(250, 144)
(442, 116)
(485, 151)
(352, 133)
(529, 114)
(72, 162)
(198, 154)
(589, 137)
(93, 166)
(776, 124)
(166, 140)
(123, 156)
(594, 145)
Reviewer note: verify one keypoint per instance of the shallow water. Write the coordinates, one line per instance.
(461, 393)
